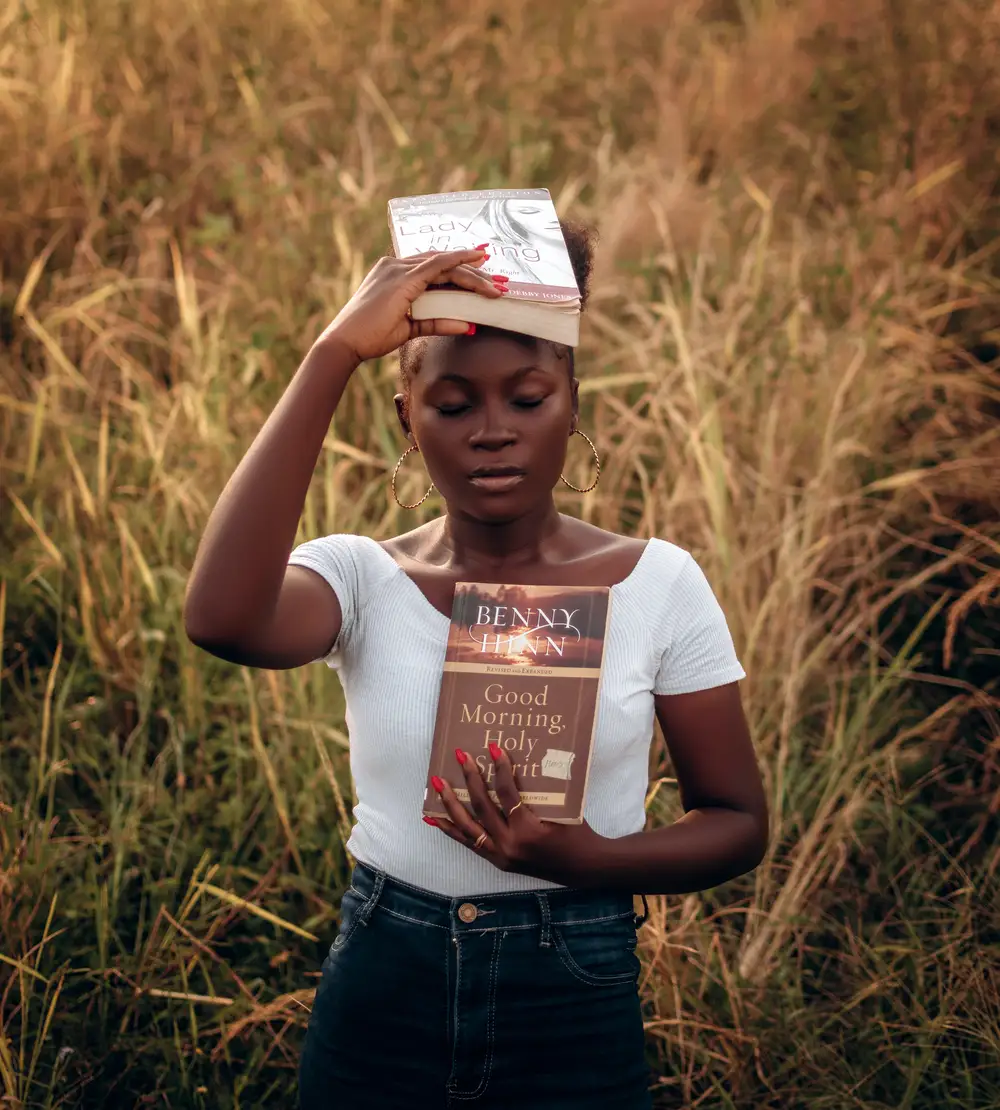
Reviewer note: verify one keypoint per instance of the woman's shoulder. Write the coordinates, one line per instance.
(617, 558)
(351, 562)
(656, 577)
(339, 543)
(665, 555)
(410, 545)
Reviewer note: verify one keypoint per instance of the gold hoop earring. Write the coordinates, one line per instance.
(597, 462)
(395, 496)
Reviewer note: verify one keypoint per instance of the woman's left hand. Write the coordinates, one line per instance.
(516, 839)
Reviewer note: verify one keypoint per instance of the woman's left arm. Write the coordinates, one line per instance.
(722, 834)
(724, 830)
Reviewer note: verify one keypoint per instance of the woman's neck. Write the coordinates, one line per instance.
(471, 543)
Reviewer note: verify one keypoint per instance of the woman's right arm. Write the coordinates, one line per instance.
(243, 602)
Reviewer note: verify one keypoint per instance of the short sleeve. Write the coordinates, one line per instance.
(698, 650)
(332, 558)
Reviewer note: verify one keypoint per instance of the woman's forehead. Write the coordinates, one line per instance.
(491, 355)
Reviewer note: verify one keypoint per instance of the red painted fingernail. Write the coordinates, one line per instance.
(460, 756)
(431, 821)
(480, 246)
(486, 258)
(495, 751)
(500, 283)
(437, 783)
(472, 330)
(499, 277)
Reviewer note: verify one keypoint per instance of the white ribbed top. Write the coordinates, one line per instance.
(666, 635)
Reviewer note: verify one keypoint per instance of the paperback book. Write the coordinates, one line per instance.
(525, 244)
(523, 671)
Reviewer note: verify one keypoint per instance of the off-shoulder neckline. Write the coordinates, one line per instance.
(616, 587)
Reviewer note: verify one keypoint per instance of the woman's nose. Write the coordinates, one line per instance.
(492, 436)
(494, 432)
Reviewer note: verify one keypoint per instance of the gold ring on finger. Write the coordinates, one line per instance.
(512, 808)
(480, 840)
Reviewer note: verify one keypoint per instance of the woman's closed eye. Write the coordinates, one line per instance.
(460, 407)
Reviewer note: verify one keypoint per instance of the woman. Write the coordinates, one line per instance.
(486, 960)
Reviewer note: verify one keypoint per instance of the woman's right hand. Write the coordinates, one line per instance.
(375, 321)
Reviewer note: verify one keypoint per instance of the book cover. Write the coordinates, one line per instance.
(522, 670)
(520, 226)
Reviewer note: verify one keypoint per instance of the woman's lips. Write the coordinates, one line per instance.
(497, 483)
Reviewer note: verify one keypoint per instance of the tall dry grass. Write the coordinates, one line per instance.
(789, 368)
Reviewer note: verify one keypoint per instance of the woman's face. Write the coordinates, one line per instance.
(492, 417)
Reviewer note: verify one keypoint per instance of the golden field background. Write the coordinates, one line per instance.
(790, 367)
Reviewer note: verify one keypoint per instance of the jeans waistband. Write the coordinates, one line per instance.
(520, 909)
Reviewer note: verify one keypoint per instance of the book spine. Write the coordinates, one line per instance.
(392, 233)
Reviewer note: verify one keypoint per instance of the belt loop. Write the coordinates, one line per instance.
(546, 938)
(642, 918)
(378, 881)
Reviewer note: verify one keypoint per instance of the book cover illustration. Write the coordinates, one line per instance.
(522, 670)
(520, 226)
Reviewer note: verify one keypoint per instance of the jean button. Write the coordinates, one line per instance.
(468, 912)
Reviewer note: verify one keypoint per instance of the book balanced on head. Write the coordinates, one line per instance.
(525, 245)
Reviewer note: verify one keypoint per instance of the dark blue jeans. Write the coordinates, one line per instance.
(522, 1001)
